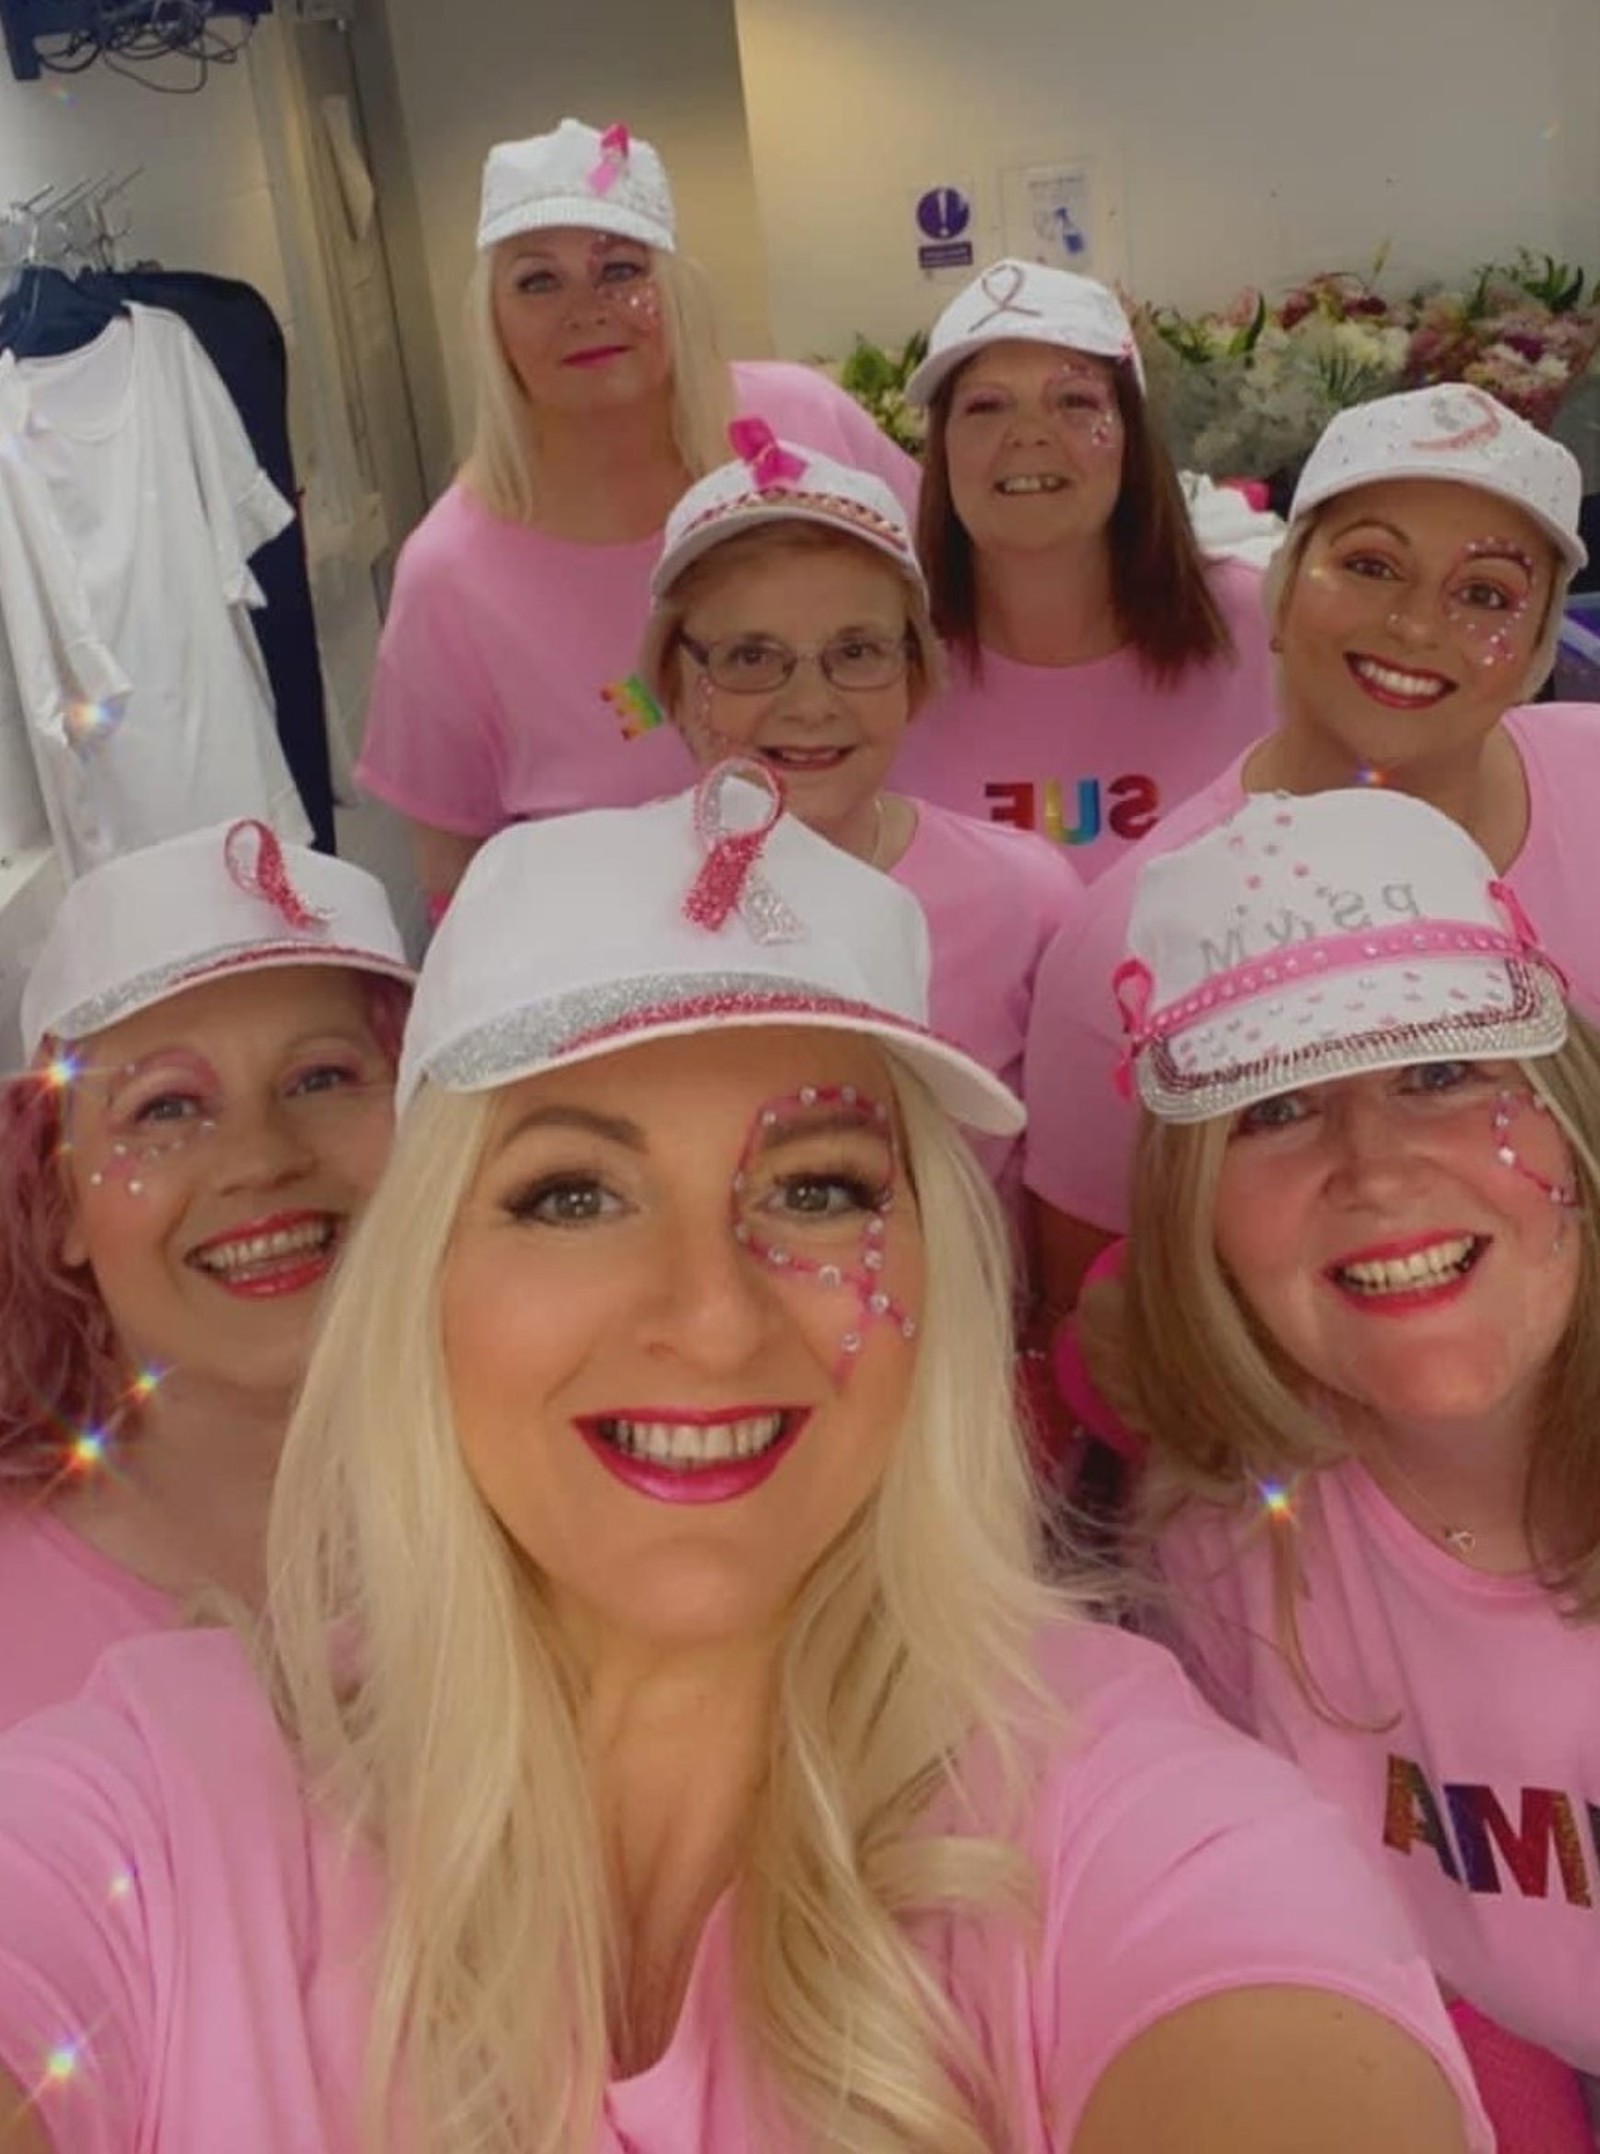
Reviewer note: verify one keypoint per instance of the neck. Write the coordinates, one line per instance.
(1481, 787)
(874, 830)
(677, 1746)
(186, 1504)
(1049, 609)
(608, 477)
(1460, 1477)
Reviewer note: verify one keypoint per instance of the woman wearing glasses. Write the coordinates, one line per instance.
(791, 624)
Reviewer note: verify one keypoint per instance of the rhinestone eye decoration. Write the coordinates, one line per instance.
(858, 1273)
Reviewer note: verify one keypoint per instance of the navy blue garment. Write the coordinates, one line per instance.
(48, 313)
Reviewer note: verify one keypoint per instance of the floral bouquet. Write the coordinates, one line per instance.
(1247, 390)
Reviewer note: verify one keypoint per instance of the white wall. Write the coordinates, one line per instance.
(1256, 140)
(481, 71)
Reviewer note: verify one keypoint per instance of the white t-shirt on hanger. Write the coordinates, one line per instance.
(130, 504)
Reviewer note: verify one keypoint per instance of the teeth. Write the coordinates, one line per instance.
(1397, 1275)
(690, 1444)
(1042, 482)
(264, 1248)
(1416, 685)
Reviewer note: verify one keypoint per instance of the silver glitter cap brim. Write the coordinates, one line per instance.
(582, 1023)
(83, 1019)
(1536, 1025)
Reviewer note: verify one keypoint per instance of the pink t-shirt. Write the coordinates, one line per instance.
(1079, 1147)
(994, 898)
(62, 1603)
(1472, 1775)
(1093, 755)
(488, 701)
(171, 1902)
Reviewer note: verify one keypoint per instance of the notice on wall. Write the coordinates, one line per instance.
(1059, 214)
(942, 220)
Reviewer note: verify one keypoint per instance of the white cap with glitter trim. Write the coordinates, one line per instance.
(1321, 936)
(594, 180)
(149, 924)
(772, 481)
(1026, 302)
(1457, 432)
(582, 934)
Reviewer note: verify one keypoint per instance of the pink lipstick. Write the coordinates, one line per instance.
(686, 1455)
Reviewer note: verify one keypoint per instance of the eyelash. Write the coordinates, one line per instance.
(300, 1086)
(524, 1205)
(863, 1193)
(1251, 1122)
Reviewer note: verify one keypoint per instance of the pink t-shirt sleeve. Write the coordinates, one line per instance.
(431, 748)
(84, 1885)
(1190, 1862)
(1081, 1126)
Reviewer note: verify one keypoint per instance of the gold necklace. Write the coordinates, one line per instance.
(1460, 1540)
(875, 857)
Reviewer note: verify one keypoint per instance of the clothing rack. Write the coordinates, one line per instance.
(66, 227)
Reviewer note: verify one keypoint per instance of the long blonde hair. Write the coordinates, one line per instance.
(501, 466)
(1228, 1413)
(424, 1685)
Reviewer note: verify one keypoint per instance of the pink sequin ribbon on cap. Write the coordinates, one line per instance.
(615, 147)
(265, 875)
(730, 879)
(769, 463)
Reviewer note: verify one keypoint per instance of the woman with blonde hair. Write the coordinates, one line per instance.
(790, 623)
(667, 1740)
(1102, 668)
(211, 1031)
(504, 686)
(1357, 1327)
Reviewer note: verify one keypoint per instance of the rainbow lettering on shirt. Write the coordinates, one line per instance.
(635, 706)
(1467, 1826)
(1076, 811)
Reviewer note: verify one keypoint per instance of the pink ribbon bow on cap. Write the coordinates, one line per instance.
(1013, 277)
(1132, 985)
(266, 876)
(769, 463)
(729, 880)
(615, 146)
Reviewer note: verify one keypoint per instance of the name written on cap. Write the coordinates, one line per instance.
(1327, 911)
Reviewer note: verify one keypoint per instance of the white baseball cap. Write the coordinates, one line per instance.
(1026, 302)
(1321, 936)
(579, 935)
(232, 898)
(772, 481)
(1454, 431)
(597, 180)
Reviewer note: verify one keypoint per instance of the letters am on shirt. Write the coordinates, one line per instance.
(1478, 1845)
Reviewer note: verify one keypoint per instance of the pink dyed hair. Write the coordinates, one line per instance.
(63, 1371)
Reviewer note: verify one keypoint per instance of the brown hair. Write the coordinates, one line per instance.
(663, 635)
(1159, 587)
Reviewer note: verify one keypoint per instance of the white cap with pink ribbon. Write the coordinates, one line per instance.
(231, 898)
(1320, 936)
(588, 178)
(580, 935)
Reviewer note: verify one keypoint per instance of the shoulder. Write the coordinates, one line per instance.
(1000, 848)
(771, 387)
(1557, 735)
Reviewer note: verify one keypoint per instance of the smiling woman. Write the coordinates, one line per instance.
(790, 623)
(212, 1026)
(668, 1736)
(503, 687)
(1416, 601)
(1355, 1326)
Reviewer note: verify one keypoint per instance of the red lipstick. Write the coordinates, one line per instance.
(691, 1481)
(1430, 1293)
(273, 1273)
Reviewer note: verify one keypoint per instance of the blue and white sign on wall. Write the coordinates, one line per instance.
(944, 219)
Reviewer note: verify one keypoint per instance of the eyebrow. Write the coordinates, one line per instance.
(614, 1128)
(836, 1121)
(1374, 523)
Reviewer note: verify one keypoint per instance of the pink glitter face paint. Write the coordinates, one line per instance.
(1488, 596)
(813, 1198)
(1502, 1122)
(1085, 401)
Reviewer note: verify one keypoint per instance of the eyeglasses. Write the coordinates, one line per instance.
(756, 665)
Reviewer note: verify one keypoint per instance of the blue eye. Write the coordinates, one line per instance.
(1282, 1111)
(1438, 1077)
(326, 1077)
(167, 1107)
